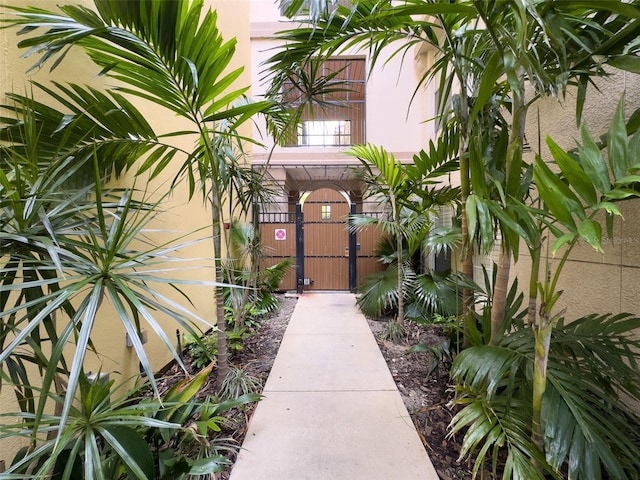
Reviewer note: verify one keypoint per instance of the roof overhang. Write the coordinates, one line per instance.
(300, 177)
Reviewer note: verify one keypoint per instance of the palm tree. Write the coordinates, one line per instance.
(169, 53)
(385, 178)
(396, 187)
(491, 52)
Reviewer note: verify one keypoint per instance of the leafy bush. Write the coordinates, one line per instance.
(394, 332)
(254, 301)
(424, 294)
(238, 383)
(203, 350)
(590, 432)
(133, 435)
(452, 328)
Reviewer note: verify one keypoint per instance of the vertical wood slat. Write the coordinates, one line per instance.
(278, 250)
(326, 241)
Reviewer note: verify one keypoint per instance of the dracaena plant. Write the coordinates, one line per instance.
(66, 254)
(110, 434)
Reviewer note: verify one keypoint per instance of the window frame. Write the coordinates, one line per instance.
(346, 104)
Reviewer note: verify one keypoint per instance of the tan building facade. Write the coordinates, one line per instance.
(379, 111)
(592, 282)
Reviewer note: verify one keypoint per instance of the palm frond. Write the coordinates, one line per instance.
(588, 427)
(434, 293)
(442, 239)
(379, 292)
(89, 123)
(592, 367)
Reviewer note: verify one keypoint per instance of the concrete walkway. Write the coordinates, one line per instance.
(331, 409)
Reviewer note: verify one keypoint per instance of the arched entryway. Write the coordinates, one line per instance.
(311, 228)
(326, 239)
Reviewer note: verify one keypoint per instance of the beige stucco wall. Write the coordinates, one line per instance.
(181, 216)
(592, 282)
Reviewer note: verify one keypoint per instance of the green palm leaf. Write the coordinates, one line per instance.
(588, 429)
(435, 294)
(379, 292)
(495, 410)
(169, 53)
(93, 124)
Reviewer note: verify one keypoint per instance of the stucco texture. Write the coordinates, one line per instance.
(591, 282)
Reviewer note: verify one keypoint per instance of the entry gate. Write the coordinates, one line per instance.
(326, 241)
(316, 236)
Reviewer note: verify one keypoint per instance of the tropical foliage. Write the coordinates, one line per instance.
(424, 293)
(64, 255)
(587, 428)
(493, 61)
(255, 298)
(73, 248)
(398, 188)
(168, 66)
(131, 435)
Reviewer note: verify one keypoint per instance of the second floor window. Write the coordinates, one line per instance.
(335, 116)
(325, 132)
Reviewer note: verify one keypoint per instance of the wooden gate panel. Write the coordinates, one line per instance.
(327, 273)
(326, 241)
(368, 266)
(277, 248)
(326, 256)
(367, 260)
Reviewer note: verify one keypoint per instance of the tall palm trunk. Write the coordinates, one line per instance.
(500, 291)
(512, 169)
(400, 318)
(222, 356)
(399, 247)
(465, 190)
(467, 250)
(533, 284)
(541, 359)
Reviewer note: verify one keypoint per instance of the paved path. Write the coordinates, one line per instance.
(331, 409)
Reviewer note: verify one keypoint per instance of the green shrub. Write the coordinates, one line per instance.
(238, 382)
(131, 436)
(204, 350)
(590, 432)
